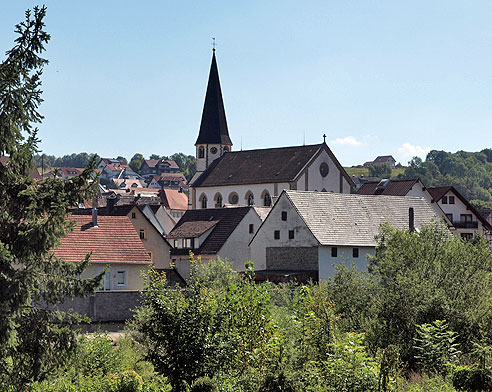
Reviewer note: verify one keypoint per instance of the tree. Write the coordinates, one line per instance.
(380, 170)
(427, 276)
(122, 160)
(155, 156)
(136, 162)
(34, 337)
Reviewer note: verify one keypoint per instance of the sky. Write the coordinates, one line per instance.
(377, 77)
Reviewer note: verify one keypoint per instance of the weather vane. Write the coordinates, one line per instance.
(213, 43)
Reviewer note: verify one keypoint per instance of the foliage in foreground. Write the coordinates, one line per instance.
(103, 366)
(34, 339)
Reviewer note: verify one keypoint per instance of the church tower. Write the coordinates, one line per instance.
(213, 139)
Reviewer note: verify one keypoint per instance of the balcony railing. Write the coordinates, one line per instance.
(465, 225)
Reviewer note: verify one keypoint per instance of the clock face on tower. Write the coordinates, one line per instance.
(213, 150)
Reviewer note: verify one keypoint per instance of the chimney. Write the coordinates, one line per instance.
(411, 219)
(110, 203)
(94, 217)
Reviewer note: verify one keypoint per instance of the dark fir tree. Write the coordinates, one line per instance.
(33, 337)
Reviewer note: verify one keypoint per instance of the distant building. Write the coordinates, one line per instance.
(34, 173)
(168, 180)
(155, 167)
(382, 159)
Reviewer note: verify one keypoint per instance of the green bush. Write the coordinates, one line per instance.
(203, 384)
(435, 347)
(471, 378)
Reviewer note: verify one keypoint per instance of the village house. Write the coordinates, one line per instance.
(175, 202)
(152, 167)
(254, 177)
(146, 226)
(168, 181)
(465, 218)
(382, 159)
(113, 243)
(112, 168)
(458, 210)
(307, 233)
(215, 232)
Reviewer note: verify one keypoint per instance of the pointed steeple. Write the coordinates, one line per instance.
(213, 128)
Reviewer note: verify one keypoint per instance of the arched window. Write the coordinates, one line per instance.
(201, 152)
(218, 200)
(267, 200)
(250, 198)
(203, 200)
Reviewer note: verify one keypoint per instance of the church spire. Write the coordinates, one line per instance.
(213, 128)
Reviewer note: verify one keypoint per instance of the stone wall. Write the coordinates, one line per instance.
(292, 258)
(105, 306)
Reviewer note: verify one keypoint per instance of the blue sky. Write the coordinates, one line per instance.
(378, 77)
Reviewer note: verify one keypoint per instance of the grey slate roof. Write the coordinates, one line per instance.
(353, 220)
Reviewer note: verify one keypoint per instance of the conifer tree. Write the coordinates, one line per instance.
(34, 337)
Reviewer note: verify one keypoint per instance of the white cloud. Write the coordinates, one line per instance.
(408, 150)
(347, 141)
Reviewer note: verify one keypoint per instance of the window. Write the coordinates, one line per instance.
(334, 251)
(267, 200)
(291, 234)
(450, 217)
(204, 201)
(251, 228)
(190, 243)
(355, 252)
(284, 215)
(251, 199)
(134, 215)
(150, 255)
(175, 243)
(465, 218)
(201, 152)
(276, 234)
(218, 200)
(451, 199)
(142, 234)
(444, 200)
(467, 236)
(121, 278)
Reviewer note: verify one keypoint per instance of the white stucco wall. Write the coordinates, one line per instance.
(457, 209)
(241, 190)
(203, 163)
(236, 248)
(331, 183)
(344, 255)
(265, 235)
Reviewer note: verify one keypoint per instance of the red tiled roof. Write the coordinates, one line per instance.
(154, 162)
(174, 199)
(34, 174)
(171, 177)
(437, 192)
(113, 241)
(70, 171)
(393, 188)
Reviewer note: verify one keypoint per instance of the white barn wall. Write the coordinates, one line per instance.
(265, 235)
(236, 248)
(344, 255)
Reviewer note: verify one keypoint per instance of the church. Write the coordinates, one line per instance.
(254, 177)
